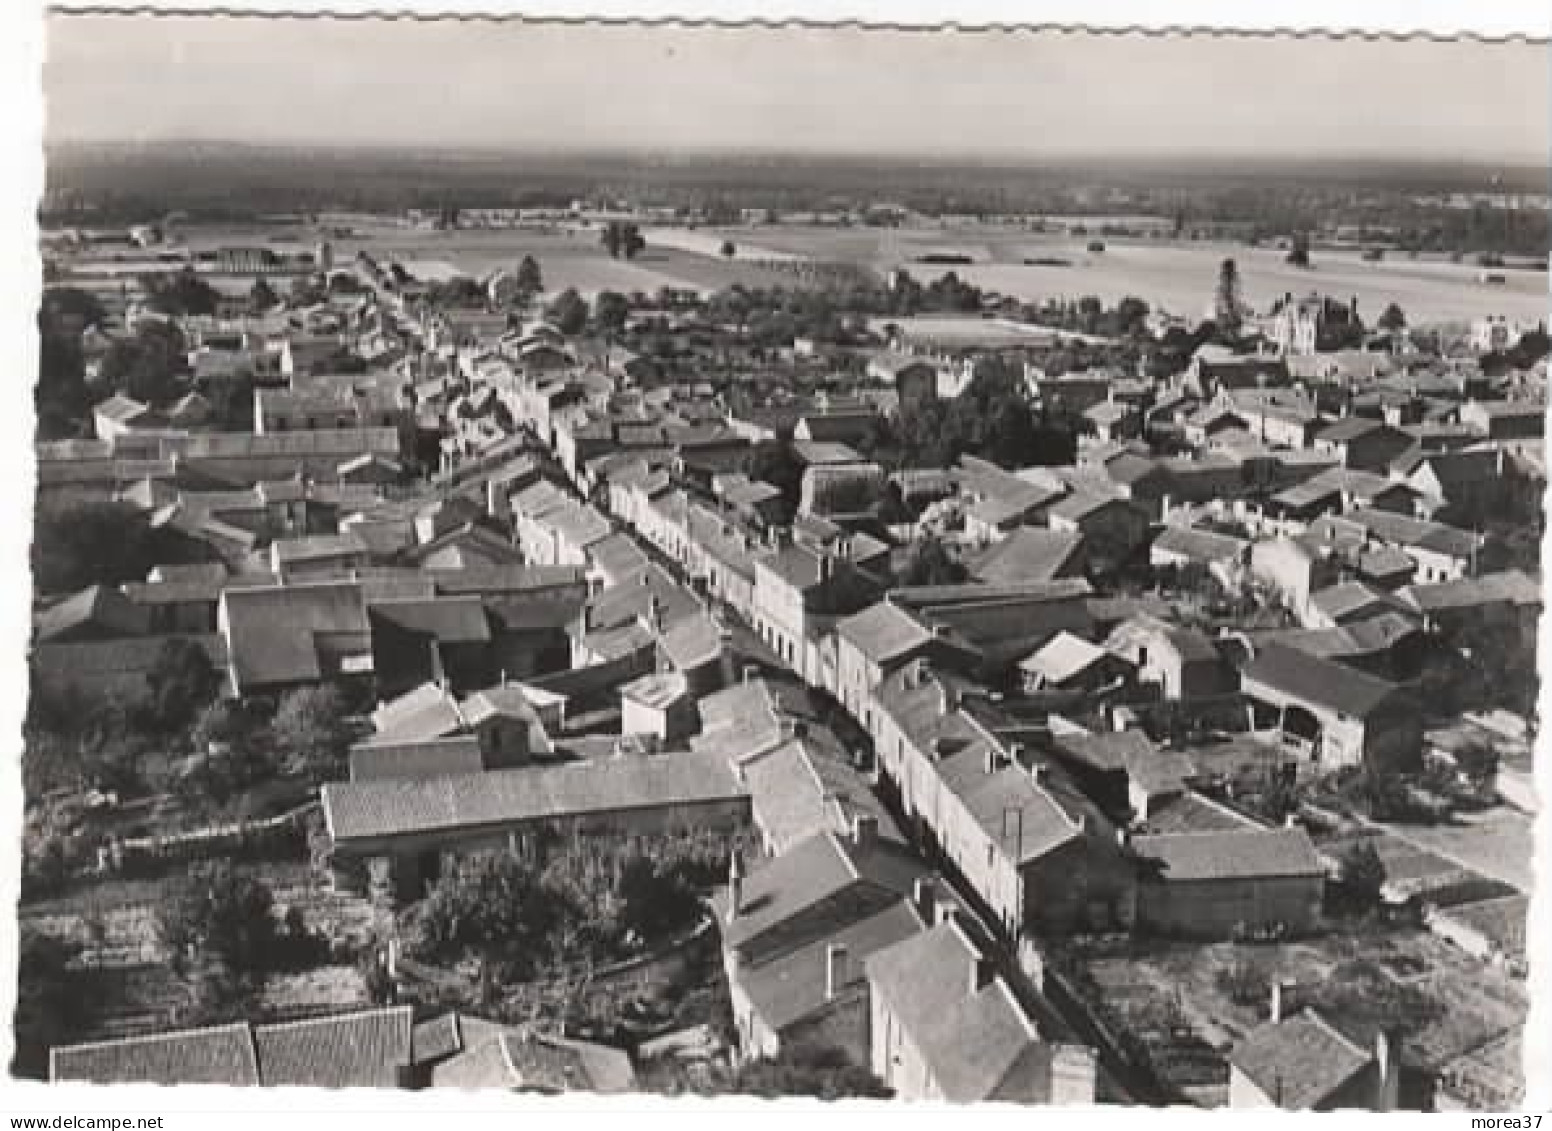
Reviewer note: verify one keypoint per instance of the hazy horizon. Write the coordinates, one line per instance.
(997, 98)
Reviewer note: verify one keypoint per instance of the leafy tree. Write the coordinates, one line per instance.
(181, 295)
(1131, 316)
(71, 309)
(569, 312)
(262, 296)
(1392, 319)
(310, 725)
(309, 290)
(1245, 983)
(61, 398)
(1299, 250)
(222, 921)
(231, 403)
(633, 243)
(821, 1071)
(530, 280)
(93, 544)
(181, 681)
(491, 907)
(654, 901)
(623, 238)
(459, 292)
(1531, 348)
(610, 309)
(147, 366)
(1362, 874)
(728, 250)
(777, 463)
(932, 563)
(54, 1001)
(1227, 303)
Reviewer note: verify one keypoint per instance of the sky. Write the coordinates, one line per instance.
(515, 85)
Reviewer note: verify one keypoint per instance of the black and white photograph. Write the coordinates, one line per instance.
(909, 565)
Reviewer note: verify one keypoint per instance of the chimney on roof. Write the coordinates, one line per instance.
(1040, 772)
(993, 761)
(1123, 837)
(735, 887)
(924, 894)
(949, 698)
(864, 830)
(1277, 1005)
(945, 913)
(836, 964)
(751, 671)
(1387, 1067)
(1073, 1075)
(983, 972)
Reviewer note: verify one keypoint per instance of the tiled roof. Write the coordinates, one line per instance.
(1199, 545)
(1325, 683)
(790, 986)
(318, 546)
(361, 1050)
(1511, 586)
(451, 620)
(884, 632)
(294, 633)
(692, 642)
(100, 607)
(387, 759)
(813, 888)
(1028, 554)
(797, 793)
(1300, 1061)
(976, 1041)
(1230, 855)
(1063, 657)
(504, 797)
(132, 654)
(223, 1054)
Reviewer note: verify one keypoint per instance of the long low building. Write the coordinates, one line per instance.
(400, 829)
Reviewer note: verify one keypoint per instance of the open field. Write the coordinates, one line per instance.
(567, 259)
(1175, 276)
(1178, 277)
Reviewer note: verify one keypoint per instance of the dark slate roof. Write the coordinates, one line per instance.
(273, 630)
(1322, 682)
(451, 620)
